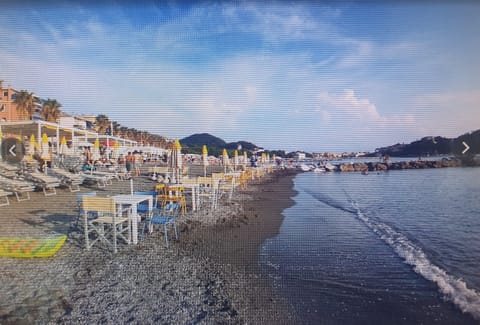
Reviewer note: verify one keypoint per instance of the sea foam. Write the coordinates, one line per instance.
(453, 289)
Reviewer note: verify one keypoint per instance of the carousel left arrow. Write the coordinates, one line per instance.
(12, 150)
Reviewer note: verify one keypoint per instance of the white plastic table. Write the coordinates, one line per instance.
(133, 200)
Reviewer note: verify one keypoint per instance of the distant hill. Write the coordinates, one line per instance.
(201, 139)
(434, 146)
(215, 145)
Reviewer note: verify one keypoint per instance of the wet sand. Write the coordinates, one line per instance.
(209, 276)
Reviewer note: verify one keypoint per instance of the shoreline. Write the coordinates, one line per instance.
(236, 244)
(190, 282)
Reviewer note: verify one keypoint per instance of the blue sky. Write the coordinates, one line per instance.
(338, 76)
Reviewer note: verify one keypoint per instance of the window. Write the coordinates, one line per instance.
(2, 108)
(5, 94)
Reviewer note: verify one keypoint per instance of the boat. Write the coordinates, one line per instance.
(305, 168)
(319, 170)
(331, 168)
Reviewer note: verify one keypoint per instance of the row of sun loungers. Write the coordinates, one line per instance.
(14, 180)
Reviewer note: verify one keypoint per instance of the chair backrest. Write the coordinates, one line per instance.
(205, 181)
(80, 197)
(172, 209)
(98, 204)
(189, 181)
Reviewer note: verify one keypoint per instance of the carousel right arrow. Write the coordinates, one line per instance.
(466, 148)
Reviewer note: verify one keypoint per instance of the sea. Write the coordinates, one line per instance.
(396, 247)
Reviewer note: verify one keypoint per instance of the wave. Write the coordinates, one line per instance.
(453, 289)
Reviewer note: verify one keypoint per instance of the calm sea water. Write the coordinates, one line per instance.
(401, 247)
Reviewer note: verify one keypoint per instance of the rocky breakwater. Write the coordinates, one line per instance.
(383, 166)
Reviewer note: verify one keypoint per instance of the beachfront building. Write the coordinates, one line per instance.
(8, 108)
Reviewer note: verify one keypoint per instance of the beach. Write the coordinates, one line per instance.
(209, 276)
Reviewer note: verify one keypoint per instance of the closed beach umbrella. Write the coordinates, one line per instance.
(225, 159)
(235, 159)
(1, 136)
(96, 150)
(245, 158)
(31, 147)
(204, 159)
(116, 147)
(63, 146)
(44, 148)
(177, 148)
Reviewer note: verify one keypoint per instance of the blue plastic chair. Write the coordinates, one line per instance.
(166, 217)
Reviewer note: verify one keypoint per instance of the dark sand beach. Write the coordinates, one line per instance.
(209, 276)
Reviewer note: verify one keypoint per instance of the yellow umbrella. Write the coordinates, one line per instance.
(63, 146)
(205, 159)
(235, 159)
(116, 147)
(225, 159)
(245, 158)
(177, 160)
(31, 147)
(96, 150)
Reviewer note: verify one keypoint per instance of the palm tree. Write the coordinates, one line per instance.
(102, 123)
(25, 103)
(51, 110)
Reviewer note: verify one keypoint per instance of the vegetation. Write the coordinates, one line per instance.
(51, 110)
(434, 146)
(25, 102)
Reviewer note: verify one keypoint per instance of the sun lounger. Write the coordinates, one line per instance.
(47, 183)
(102, 181)
(18, 187)
(67, 178)
(8, 170)
(4, 195)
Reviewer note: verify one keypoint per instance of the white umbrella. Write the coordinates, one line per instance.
(176, 162)
(178, 149)
(204, 159)
(45, 154)
(1, 136)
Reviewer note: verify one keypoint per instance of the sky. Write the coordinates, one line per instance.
(315, 76)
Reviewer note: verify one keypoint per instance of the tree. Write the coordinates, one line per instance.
(102, 123)
(25, 103)
(51, 110)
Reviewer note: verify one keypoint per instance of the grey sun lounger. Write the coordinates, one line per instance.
(47, 183)
(72, 180)
(101, 180)
(4, 195)
(8, 170)
(18, 187)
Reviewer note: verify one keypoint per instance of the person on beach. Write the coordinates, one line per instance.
(129, 162)
(137, 160)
